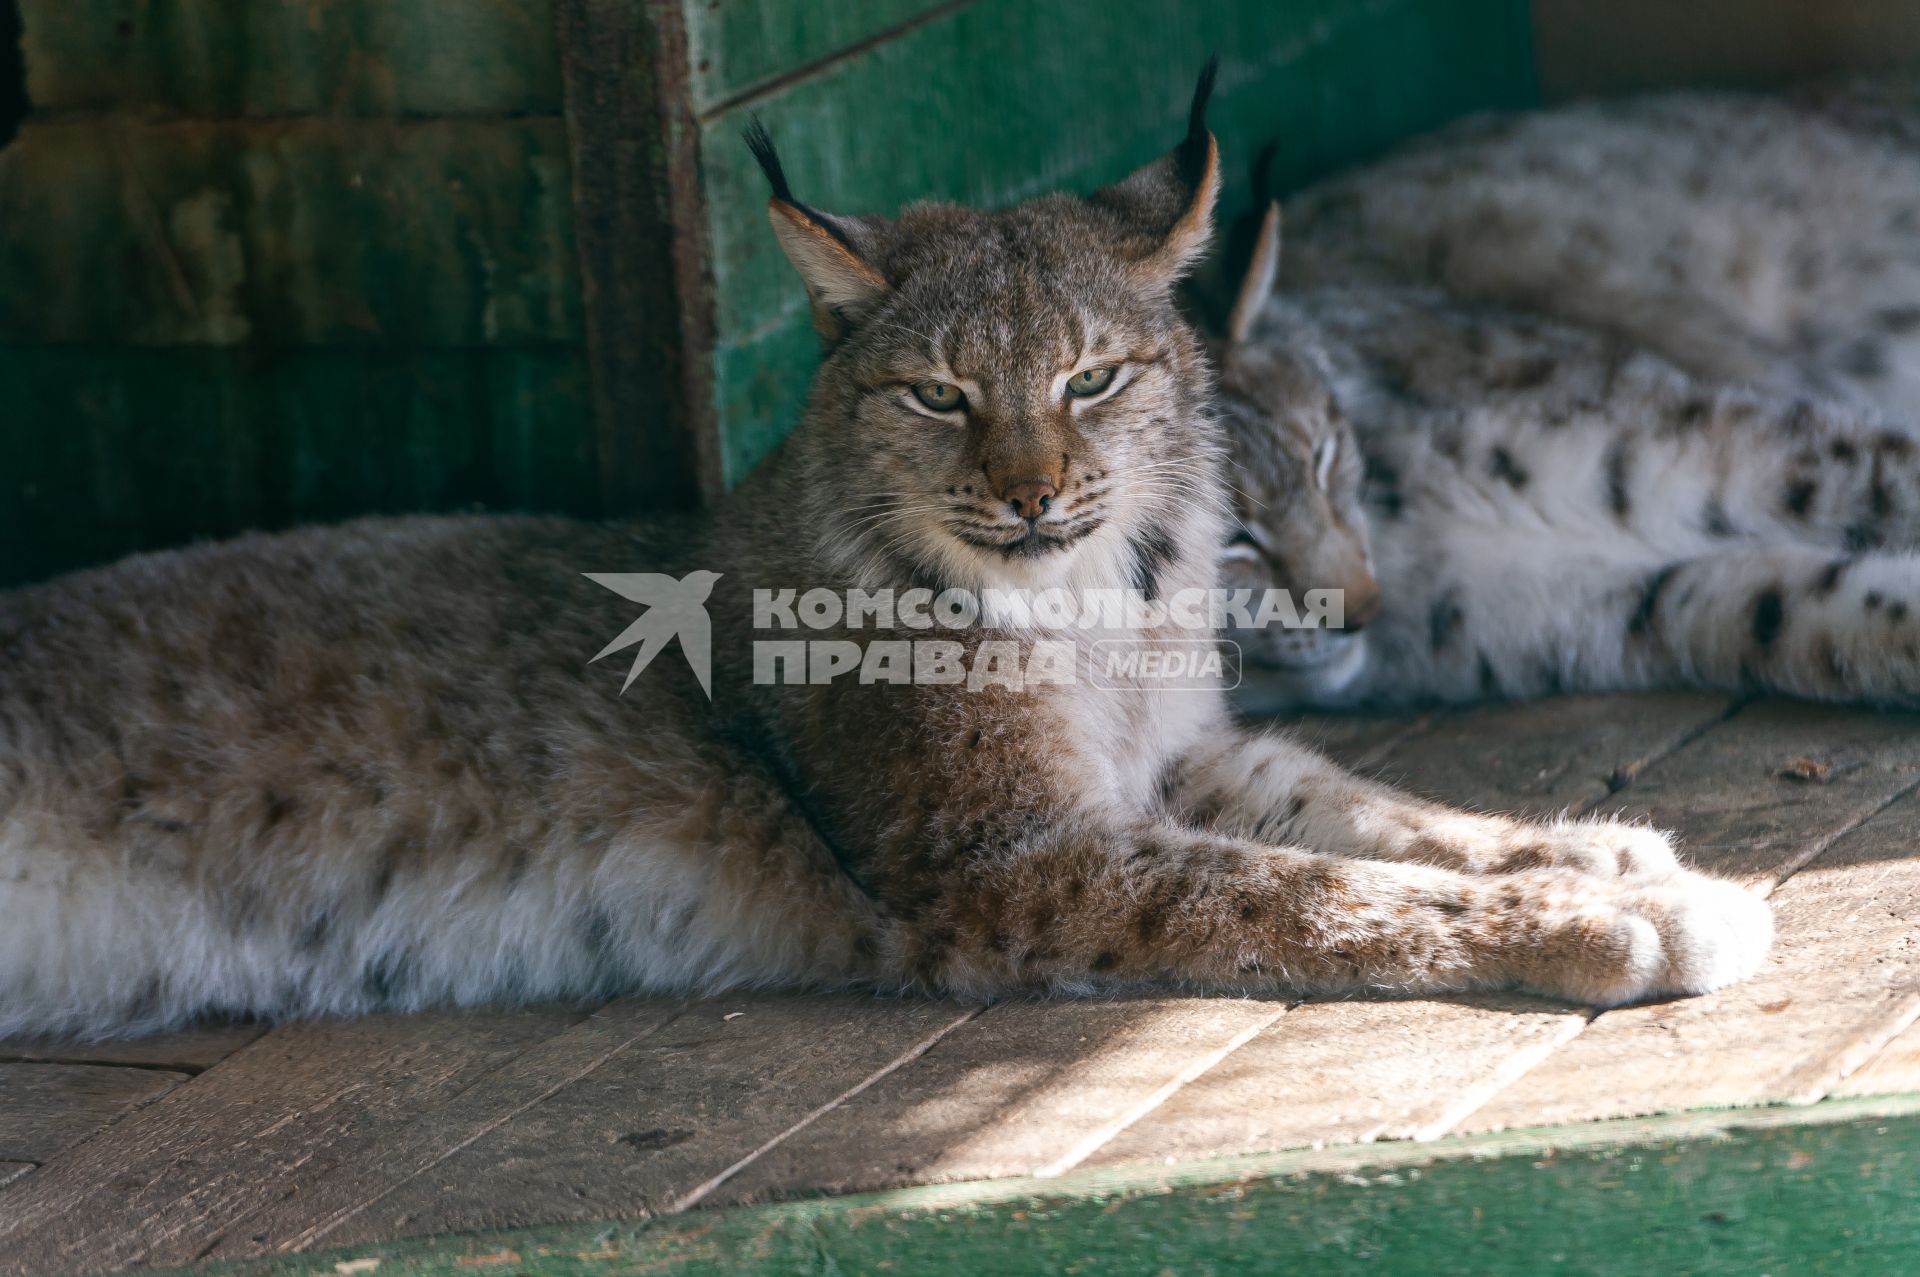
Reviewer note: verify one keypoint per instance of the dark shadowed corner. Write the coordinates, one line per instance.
(13, 72)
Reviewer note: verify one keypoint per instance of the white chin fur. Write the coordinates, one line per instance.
(1269, 689)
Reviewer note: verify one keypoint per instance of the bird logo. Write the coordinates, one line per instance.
(675, 608)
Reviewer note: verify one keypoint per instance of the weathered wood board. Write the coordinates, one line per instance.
(1766, 791)
(636, 1134)
(189, 1050)
(175, 1175)
(266, 58)
(50, 1107)
(1023, 1089)
(288, 233)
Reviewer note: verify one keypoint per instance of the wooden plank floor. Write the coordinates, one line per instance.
(238, 1141)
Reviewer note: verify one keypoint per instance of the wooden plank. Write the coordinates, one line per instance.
(1894, 1069)
(1766, 791)
(51, 1107)
(163, 1183)
(186, 1050)
(649, 1123)
(1844, 978)
(289, 57)
(1827, 1190)
(1547, 756)
(1083, 121)
(306, 232)
(1357, 741)
(1348, 1073)
(11, 1171)
(1027, 1087)
(637, 222)
(113, 451)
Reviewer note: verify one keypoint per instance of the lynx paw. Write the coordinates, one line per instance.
(1607, 849)
(1712, 932)
(1687, 934)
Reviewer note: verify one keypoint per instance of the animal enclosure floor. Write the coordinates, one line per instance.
(232, 1142)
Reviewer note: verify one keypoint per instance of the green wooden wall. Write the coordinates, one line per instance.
(268, 261)
(271, 261)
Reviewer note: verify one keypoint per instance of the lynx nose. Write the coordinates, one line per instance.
(1031, 498)
(1362, 603)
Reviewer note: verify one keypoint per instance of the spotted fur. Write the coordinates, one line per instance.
(1765, 240)
(371, 767)
(1548, 509)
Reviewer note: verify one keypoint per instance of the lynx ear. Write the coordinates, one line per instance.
(1171, 200)
(1257, 286)
(826, 250)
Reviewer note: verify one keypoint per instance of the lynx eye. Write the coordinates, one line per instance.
(938, 395)
(1089, 381)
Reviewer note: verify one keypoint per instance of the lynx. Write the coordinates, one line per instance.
(1766, 240)
(371, 766)
(1697, 477)
(1526, 507)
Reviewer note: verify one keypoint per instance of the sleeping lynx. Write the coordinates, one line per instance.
(1770, 241)
(370, 766)
(1554, 508)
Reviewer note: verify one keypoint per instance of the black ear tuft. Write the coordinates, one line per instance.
(1191, 159)
(760, 142)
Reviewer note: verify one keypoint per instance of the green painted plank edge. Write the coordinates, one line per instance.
(1829, 1188)
(292, 57)
(738, 47)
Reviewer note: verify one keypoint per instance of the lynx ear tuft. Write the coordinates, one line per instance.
(1170, 202)
(760, 142)
(1257, 285)
(1197, 149)
(825, 250)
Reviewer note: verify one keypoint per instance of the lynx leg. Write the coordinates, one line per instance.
(1123, 906)
(1273, 790)
(1790, 619)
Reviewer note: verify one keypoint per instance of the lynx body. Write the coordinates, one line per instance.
(372, 766)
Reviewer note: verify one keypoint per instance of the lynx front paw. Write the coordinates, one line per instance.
(1608, 849)
(1712, 932)
(1687, 934)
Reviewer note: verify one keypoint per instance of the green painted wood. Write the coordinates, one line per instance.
(1000, 99)
(111, 451)
(735, 47)
(292, 57)
(304, 233)
(1833, 1188)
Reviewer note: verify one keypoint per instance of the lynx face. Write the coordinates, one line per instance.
(1018, 403)
(1297, 472)
(1012, 397)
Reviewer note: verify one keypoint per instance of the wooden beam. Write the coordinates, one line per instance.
(638, 229)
